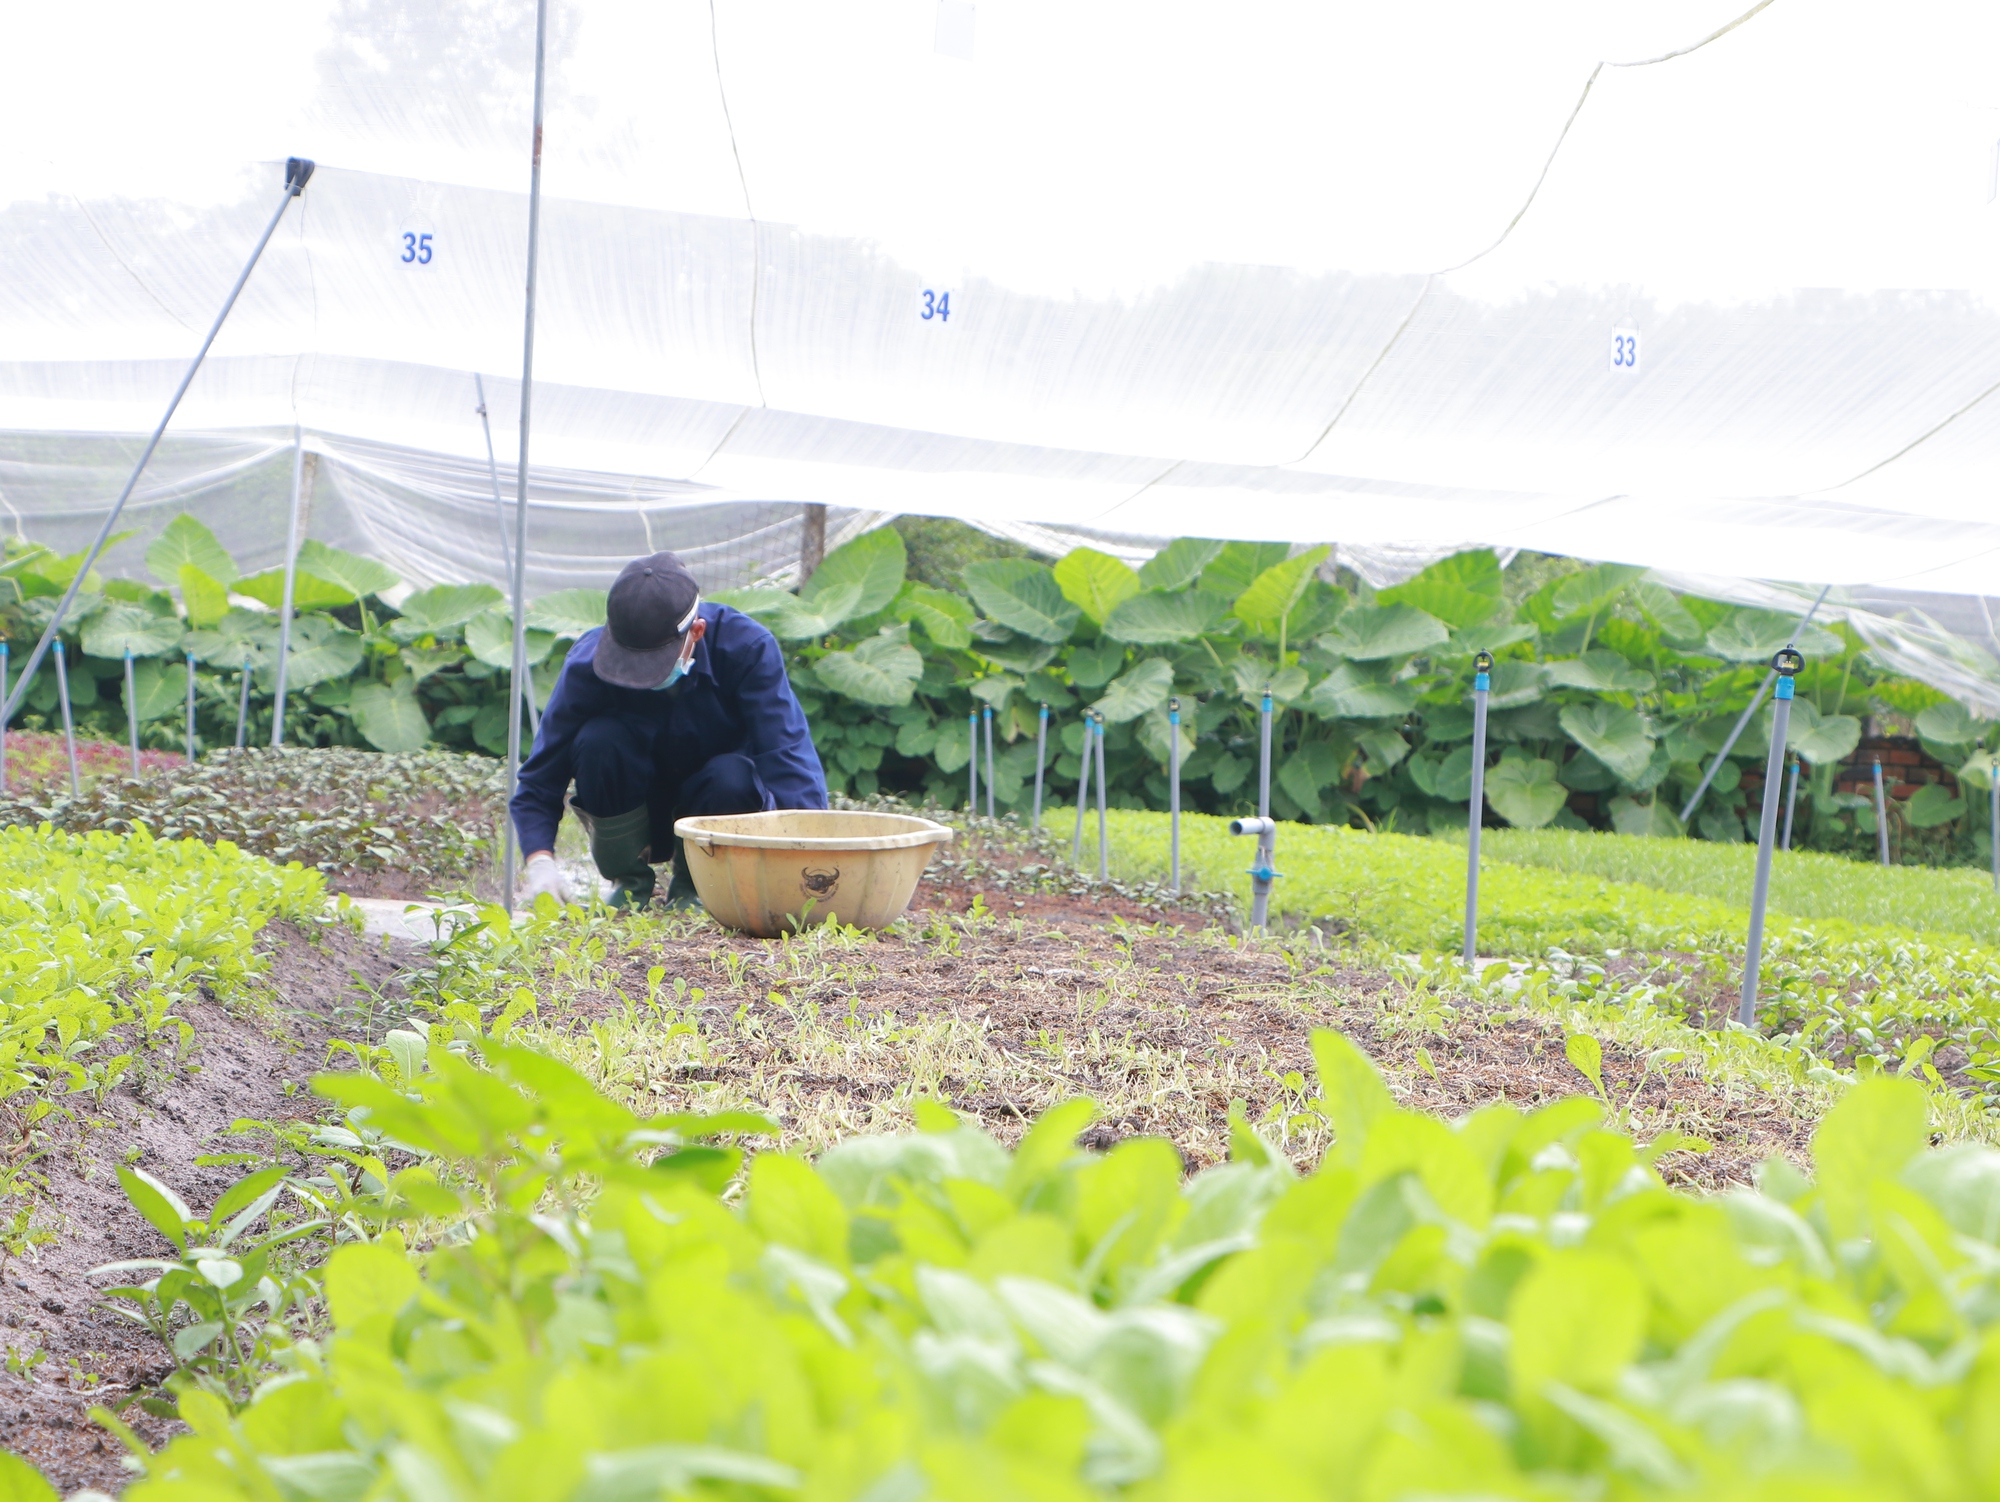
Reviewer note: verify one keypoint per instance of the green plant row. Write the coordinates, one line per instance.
(553, 1302)
(1609, 694)
(104, 942)
(1833, 989)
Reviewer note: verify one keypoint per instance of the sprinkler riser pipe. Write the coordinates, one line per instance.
(1264, 757)
(1082, 796)
(987, 717)
(3, 717)
(1174, 797)
(972, 764)
(1103, 839)
(190, 709)
(290, 594)
(1041, 756)
(1993, 799)
(1791, 802)
(69, 726)
(1767, 831)
(1263, 872)
(1475, 811)
(1881, 817)
(131, 715)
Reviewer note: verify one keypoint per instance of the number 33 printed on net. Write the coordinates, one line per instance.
(1625, 349)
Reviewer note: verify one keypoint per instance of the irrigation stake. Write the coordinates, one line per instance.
(1082, 794)
(1744, 718)
(1041, 755)
(285, 605)
(517, 684)
(1103, 842)
(297, 171)
(69, 726)
(242, 709)
(1791, 802)
(988, 717)
(1881, 817)
(1174, 794)
(1784, 667)
(972, 766)
(190, 710)
(131, 715)
(1482, 683)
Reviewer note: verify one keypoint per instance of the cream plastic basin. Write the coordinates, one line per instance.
(774, 873)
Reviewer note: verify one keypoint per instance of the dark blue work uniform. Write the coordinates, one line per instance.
(728, 738)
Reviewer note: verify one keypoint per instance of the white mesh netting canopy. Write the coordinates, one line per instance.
(1659, 283)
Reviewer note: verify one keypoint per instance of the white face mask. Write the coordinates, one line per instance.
(679, 672)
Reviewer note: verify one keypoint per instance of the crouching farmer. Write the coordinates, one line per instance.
(672, 708)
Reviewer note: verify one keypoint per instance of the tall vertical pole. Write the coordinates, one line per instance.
(1475, 814)
(1264, 757)
(988, 718)
(1082, 793)
(1785, 667)
(131, 714)
(1993, 795)
(518, 686)
(1103, 839)
(1791, 802)
(243, 706)
(291, 585)
(3, 738)
(1041, 756)
(1174, 795)
(1267, 830)
(1881, 816)
(190, 710)
(298, 171)
(69, 724)
(972, 762)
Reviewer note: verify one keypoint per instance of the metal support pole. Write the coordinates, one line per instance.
(3, 730)
(1103, 840)
(69, 725)
(131, 714)
(1791, 802)
(1785, 667)
(297, 171)
(291, 583)
(1264, 757)
(1041, 755)
(1174, 795)
(518, 685)
(190, 710)
(1881, 817)
(243, 707)
(972, 763)
(506, 551)
(1993, 796)
(1482, 684)
(1744, 718)
(1082, 794)
(988, 718)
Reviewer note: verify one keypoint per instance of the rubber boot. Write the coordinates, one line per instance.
(621, 845)
(681, 895)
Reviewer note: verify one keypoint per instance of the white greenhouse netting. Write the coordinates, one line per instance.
(1634, 283)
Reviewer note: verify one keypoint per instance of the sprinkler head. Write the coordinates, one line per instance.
(1788, 661)
(1173, 706)
(1482, 662)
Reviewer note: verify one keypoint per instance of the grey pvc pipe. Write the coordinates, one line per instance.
(518, 685)
(1475, 813)
(3, 731)
(190, 710)
(1082, 794)
(1264, 757)
(1881, 817)
(1174, 795)
(988, 718)
(1791, 802)
(131, 715)
(1767, 829)
(1744, 719)
(1103, 840)
(297, 172)
(972, 762)
(69, 725)
(1993, 797)
(1041, 755)
(243, 706)
(291, 584)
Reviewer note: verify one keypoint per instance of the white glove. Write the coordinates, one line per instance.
(544, 875)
